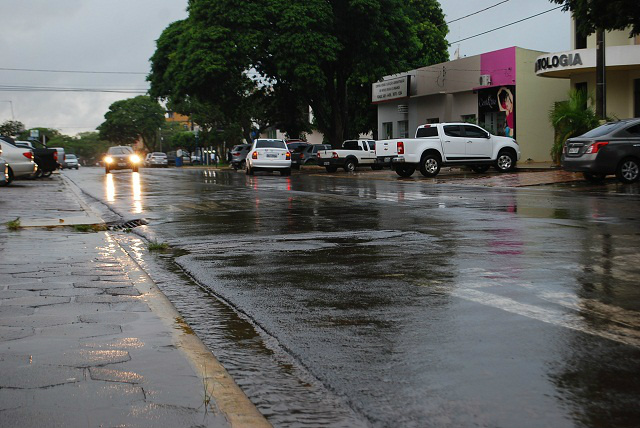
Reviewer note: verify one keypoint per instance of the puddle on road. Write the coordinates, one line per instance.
(283, 391)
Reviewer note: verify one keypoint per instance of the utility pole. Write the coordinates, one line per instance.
(601, 76)
(13, 116)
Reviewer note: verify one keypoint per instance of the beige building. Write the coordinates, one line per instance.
(499, 90)
(578, 66)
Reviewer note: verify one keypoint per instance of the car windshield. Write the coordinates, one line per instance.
(159, 155)
(604, 129)
(71, 156)
(120, 150)
(272, 144)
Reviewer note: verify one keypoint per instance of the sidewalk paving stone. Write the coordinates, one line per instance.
(79, 343)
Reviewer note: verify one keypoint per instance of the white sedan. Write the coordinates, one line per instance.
(269, 155)
(20, 160)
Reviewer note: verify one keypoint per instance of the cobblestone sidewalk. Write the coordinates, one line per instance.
(79, 343)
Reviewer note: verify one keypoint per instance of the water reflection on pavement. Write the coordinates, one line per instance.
(416, 304)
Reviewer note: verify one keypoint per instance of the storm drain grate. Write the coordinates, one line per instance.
(130, 224)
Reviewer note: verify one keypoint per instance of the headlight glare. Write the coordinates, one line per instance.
(108, 159)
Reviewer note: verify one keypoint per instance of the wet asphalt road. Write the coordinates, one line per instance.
(410, 303)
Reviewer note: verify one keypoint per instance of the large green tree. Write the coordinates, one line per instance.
(132, 119)
(591, 15)
(319, 53)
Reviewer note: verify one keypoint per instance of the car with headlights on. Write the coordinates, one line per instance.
(4, 172)
(268, 155)
(121, 157)
(612, 148)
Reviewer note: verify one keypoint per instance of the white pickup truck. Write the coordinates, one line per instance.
(448, 144)
(354, 153)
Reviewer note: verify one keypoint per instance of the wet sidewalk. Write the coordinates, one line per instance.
(86, 338)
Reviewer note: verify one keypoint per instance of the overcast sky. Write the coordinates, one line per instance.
(119, 36)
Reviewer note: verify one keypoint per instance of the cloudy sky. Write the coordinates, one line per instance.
(118, 37)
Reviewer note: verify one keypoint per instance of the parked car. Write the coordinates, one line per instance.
(353, 153)
(296, 150)
(20, 160)
(269, 155)
(61, 156)
(157, 159)
(71, 161)
(4, 172)
(121, 157)
(239, 155)
(449, 144)
(613, 148)
(309, 155)
(146, 159)
(45, 158)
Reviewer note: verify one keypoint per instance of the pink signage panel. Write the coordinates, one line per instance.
(500, 65)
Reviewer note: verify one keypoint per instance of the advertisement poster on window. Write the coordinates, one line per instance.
(497, 110)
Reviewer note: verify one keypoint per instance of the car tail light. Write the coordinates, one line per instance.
(596, 146)
(400, 148)
(334, 155)
(564, 149)
(55, 156)
(28, 155)
(288, 155)
(318, 155)
(301, 155)
(254, 155)
(236, 154)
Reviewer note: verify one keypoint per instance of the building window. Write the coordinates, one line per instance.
(387, 129)
(403, 129)
(636, 98)
(272, 133)
(469, 118)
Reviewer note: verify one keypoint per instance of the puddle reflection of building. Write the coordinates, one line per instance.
(137, 192)
(110, 188)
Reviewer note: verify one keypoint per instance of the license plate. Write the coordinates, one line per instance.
(122, 164)
(573, 150)
(326, 163)
(269, 155)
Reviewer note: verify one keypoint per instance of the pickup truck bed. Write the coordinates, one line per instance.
(354, 153)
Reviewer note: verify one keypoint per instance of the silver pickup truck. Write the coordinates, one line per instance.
(448, 144)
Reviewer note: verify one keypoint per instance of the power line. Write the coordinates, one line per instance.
(504, 26)
(70, 71)
(18, 88)
(477, 12)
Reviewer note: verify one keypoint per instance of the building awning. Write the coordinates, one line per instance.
(580, 61)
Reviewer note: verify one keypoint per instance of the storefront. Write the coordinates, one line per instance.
(499, 90)
(578, 66)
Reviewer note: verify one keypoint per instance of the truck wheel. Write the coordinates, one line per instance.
(350, 165)
(405, 170)
(331, 168)
(480, 168)
(430, 165)
(243, 165)
(506, 161)
(628, 170)
(248, 170)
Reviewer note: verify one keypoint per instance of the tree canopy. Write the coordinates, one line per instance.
(267, 61)
(132, 119)
(11, 127)
(604, 14)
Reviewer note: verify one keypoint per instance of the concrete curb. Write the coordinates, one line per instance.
(220, 387)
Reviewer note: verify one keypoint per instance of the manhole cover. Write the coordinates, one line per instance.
(130, 224)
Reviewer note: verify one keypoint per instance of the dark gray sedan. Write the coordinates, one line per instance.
(613, 148)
